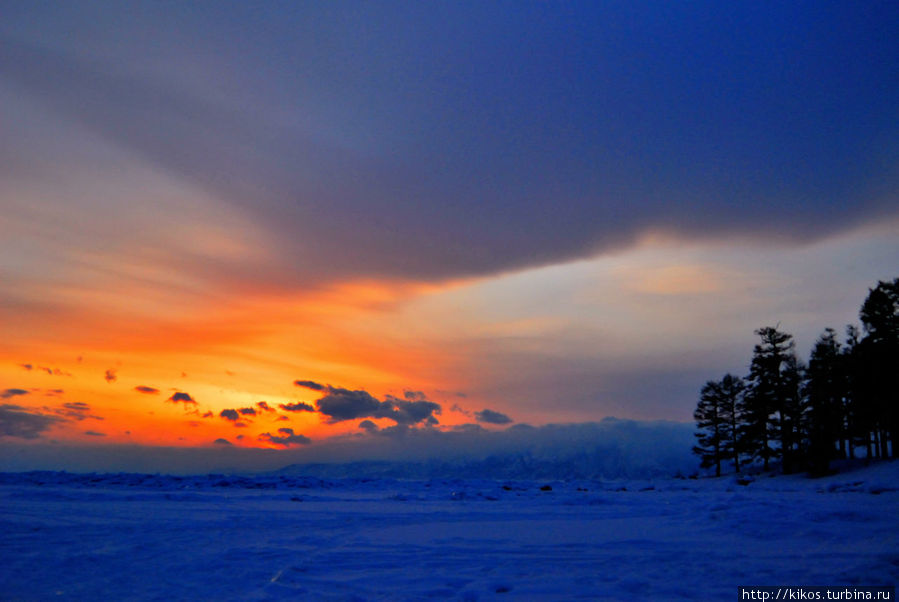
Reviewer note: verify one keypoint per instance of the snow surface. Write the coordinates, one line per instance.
(278, 536)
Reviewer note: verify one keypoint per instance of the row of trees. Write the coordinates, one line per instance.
(846, 398)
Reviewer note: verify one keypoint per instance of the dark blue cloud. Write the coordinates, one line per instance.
(146, 390)
(486, 138)
(285, 438)
(296, 407)
(231, 415)
(343, 404)
(221, 441)
(368, 426)
(308, 384)
(7, 393)
(76, 410)
(184, 398)
(16, 421)
(413, 412)
(491, 417)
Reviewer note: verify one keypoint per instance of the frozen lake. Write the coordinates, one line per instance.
(276, 537)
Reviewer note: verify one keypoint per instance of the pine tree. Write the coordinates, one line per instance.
(731, 391)
(769, 412)
(878, 364)
(792, 414)
(712, 429)
(826, 390)
(851, 401)
(718, 419)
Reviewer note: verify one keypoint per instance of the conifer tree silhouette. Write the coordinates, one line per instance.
(877, 368)
(769, 397)
(826, 390)
(712, 428)
(847, 396)
(718, 420)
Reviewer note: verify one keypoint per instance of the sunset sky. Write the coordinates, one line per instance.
(354, 220)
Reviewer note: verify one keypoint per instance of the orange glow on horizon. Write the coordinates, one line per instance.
(226, 354)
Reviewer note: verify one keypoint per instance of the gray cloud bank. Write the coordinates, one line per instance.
(690, 124)
(16, 421)
(611, 448)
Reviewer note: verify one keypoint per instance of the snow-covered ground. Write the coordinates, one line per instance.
(140, 537)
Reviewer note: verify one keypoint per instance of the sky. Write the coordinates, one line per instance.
(295, 226)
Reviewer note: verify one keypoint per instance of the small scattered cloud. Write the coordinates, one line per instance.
(235, 416)
(281, 418)
(296, 407)
(368, 426)
(48, 370)
(457, 408)
(413, 412)
(286, 438)
(308, 384)
(147, 390)
(75, 410)
(208, 415)
(53, 392)
(262, 405)
(8, 393)
(16, 421)
(111, 375)
(342, 404)
(221, 441)
(94, 434)
(490, 417)
(184, 398)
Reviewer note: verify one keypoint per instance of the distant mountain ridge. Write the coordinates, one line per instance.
(611, 449)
